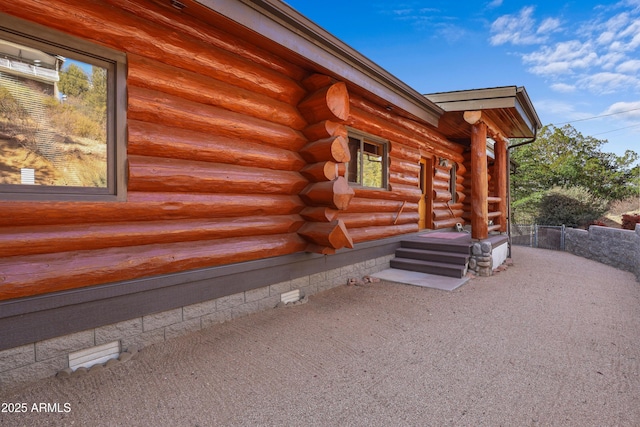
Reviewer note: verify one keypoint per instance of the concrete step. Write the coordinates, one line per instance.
(431, 267)
(433, 255)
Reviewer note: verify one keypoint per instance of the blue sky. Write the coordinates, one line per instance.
(577, 59)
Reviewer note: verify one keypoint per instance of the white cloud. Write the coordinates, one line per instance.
(635, 42)
(606, 38)
(606, 83)
(620, 32)
(610, 60)
(563, 58)
(631, 66)
(519, 29)
(625, 111)
(563, 87)
(617, 22)
(552, 68)
(549, 25)
(495, 3)
(553, 107)
(617, 46)
(600, 57)
(619, 107)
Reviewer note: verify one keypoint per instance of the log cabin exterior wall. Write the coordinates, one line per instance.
(466, 184)
(215, 156)
(236, 171)
(394, 211)
(213, 160)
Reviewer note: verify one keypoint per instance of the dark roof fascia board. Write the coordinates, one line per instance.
(490, 98)
(285, 26)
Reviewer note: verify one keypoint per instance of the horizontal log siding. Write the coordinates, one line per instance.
(143, 206)
(466, 183)
(104, 24)
(394, 127)
(364, 234)
(157, 140)
(211, 35)
(214, 142)
(213, 157)
(446, 214)
(375, 214)
(461, 174)
(34, 274)
(157, 107)
(185, 176)
(150, 74)
(30, 240)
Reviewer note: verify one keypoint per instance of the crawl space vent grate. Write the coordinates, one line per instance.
(94, 356)
(291, 296)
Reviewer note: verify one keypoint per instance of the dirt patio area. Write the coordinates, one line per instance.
(552, 341)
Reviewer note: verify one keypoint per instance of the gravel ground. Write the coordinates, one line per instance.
(551, 341)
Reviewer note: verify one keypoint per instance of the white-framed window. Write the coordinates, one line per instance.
(368, 166)
(62, 116)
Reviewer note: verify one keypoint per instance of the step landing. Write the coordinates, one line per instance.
(438, 253)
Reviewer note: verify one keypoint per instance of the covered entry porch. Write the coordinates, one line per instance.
(471, 197)
(488, 122)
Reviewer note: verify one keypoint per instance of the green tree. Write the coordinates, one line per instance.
(73, 81)
(96, 97)
(98, 90)
(563, 157)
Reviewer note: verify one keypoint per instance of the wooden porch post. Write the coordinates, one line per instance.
(479, 181)
(502, 171)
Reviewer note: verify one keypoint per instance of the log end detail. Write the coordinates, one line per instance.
(332, 234)
(325, 109)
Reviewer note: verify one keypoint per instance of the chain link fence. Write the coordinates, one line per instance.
(538, 236)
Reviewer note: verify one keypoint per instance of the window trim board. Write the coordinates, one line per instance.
(40, 37)
(373, 140)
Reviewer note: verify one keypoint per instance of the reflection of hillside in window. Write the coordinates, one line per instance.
(53, 119)
(368, 165)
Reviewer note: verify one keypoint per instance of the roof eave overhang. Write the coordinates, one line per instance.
(526, 109)
(284, 25)
(507, 97)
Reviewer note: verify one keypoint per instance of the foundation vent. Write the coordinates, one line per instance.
(291, 296)
(94, 356)
(27, 176)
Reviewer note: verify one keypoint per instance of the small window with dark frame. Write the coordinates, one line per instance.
(453, 183)
(368, 165)
(59, 116)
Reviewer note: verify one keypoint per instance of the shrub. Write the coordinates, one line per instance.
(573, 207)
(629, 221)
(71, 119)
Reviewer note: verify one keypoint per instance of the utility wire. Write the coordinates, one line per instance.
(595, 117)
(614, 130)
